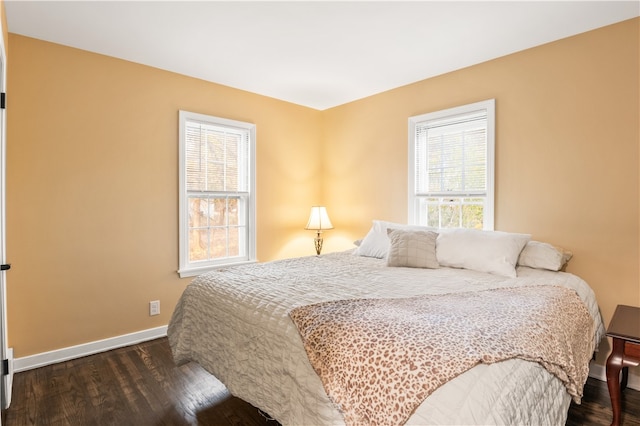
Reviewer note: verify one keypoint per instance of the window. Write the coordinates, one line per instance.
(217, 199)
(451, 167)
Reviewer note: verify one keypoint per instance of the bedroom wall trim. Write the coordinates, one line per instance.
(30, 362)
(599, 372)
(65, 354)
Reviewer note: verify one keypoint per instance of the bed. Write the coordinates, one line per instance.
(237, 323)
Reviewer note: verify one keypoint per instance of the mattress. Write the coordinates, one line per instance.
(235, 323)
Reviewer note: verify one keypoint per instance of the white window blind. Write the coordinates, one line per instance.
(216, 158)
(451, 167)
(217, 220)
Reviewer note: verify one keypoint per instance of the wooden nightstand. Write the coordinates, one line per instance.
(625, 331)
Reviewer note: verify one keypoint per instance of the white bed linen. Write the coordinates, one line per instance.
(234, 322)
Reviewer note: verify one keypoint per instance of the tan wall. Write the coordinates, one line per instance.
(92, 173)
(567, 138)
(92, 189)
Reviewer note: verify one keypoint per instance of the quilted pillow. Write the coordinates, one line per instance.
(376, 242)
(414, 249)
(544, 256)
(494, 252)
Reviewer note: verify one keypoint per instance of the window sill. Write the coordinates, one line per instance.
(192, 272)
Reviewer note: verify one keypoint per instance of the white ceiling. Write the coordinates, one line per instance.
(318, 54)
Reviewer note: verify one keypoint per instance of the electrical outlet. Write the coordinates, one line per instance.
(154, 307)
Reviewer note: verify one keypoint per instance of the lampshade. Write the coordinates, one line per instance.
(319, 219)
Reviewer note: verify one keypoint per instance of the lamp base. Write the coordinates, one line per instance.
(318, 243)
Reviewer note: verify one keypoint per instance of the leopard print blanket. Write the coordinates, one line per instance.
(378, 359)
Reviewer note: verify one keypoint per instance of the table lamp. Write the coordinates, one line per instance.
(318, 221)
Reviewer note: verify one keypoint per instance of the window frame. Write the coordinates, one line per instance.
(188, 268)
(489, 204)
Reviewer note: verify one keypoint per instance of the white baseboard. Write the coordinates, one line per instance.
(65, 354)
(596, 371)
(599, 372)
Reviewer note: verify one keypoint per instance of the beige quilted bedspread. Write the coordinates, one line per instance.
(378, 359)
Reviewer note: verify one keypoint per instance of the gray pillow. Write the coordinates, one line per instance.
(412, 248)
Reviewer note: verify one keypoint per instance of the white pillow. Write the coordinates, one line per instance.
(494, 252)
(376, 242)
(413, 249)
(544, 256)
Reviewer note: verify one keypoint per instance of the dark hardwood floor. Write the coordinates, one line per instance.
(596, 406)
(136, 385)
(140, 385)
